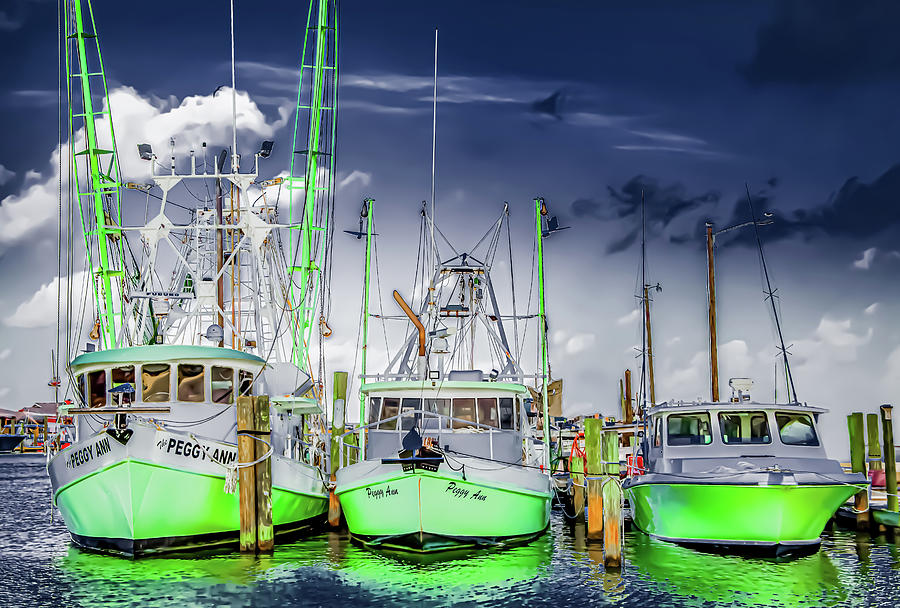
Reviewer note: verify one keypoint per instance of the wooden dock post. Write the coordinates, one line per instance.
(612, 501)
(856, 428)
(246, 422)
(265, 532)
(629, 409)
(873, 462)
(576, 470)
(890, 458)
(593, 431)
(339, 398)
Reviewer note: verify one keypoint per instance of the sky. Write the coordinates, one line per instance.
(585, 104)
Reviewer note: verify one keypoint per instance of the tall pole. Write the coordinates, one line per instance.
(711, 288)
(771, 296)
(649, 344)
(368, 209)
(433, 154)
(540, 211)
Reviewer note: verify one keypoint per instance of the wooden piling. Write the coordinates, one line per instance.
(593, 430)
(265, 532)
(246, 422)
(874, 453)
(612, 501)
(856, 428)
(890, 458)
(339, 398)
(576, 470)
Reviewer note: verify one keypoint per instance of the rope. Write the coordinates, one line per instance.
(231, 476)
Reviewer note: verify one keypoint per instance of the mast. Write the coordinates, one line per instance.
(367, 211)
(318, 82)
(649, 344)
(540, 211)
(770, 295)
(99, 184)
(711, 289)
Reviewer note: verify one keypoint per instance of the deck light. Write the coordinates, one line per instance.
(265, 150)
(145, 151)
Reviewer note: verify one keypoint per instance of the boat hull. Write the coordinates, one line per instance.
(777, 516)
(8, 443)
(426, 511)
(162, 491)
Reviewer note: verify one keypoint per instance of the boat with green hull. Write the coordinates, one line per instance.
(449, 456)
(195, 305)
(737, 474)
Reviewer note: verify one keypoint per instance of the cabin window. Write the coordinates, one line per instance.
(487, 411)
(97, 386)
(744, 427)
(155, 382)
(464, 409)
(657, 433)
(374, 407)
(390, 407)
(245, 383)
(688, 429)
(190, 382)
(796, 429)
(80, 393)
(440, 407)
(507, 417)
(222, 384)
(408, 421)
(121, 376)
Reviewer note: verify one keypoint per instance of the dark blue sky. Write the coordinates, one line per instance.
(585, 103)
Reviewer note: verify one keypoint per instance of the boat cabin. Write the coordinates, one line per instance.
(483, 419)
(694, 437)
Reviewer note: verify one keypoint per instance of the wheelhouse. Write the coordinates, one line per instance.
(484, 419)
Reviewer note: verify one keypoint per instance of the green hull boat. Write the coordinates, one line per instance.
(762, 515)
(440, 510)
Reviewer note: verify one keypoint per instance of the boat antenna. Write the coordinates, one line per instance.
(234, 156)
(433, 152)
(770, 295)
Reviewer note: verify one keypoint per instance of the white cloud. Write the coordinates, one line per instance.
(735, 358)
(891, 378)
(355, 176)
(4, 392)
(580, 343)
(865, 260)
(40, 310)
(5, 353)
(5, 175)
(871, 309)
(629, 318)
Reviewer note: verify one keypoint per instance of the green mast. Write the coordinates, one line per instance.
(368, 210)
(318, 84)
(540, 210)
(96, 183)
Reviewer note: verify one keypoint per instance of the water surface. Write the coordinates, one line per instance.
(39, 567)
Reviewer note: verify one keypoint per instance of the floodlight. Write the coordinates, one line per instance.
(265, 150)
(145, 151)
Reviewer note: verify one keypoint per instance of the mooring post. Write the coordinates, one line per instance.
(874, 454)
(265, 532)
(856, 428)
(593, 431)
(612, 501)
(339, 398)
(246, 423)
(629, 410)
(576, 470)
(890, 458)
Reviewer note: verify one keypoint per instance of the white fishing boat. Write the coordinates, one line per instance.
(196, 306)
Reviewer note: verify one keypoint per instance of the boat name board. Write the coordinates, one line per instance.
(196, 451)
(87, 453)
(381, 492)
(464, 493)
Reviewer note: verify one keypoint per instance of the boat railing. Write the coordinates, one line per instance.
(444, 426)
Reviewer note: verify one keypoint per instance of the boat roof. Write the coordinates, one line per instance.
(738, 406)
(437, 386)
(160, 353)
